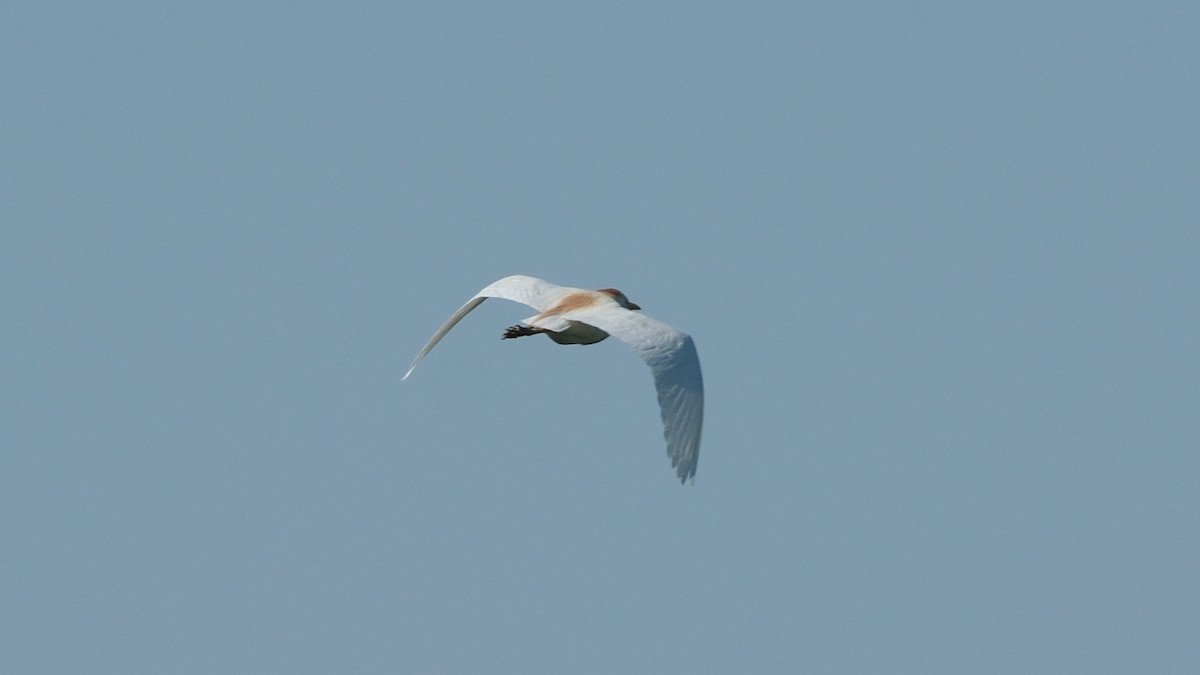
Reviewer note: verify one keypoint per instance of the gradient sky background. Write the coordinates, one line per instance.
(941, 263)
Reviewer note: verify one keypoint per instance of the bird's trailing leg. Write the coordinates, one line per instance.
(521, 331)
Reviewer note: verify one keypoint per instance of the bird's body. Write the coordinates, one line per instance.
(578, 316)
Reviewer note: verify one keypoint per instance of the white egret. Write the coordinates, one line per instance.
(577, 316)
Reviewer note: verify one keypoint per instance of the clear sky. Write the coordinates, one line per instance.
(941, 263)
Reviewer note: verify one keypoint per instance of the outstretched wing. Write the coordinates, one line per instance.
(673, 361)
(538, 294)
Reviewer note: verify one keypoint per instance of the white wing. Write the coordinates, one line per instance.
(672, 358)
(538, 294)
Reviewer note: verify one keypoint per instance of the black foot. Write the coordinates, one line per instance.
(520, 331)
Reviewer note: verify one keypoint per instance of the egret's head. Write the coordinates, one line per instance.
(619, 297)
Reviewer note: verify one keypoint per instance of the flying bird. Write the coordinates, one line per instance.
(575, 316)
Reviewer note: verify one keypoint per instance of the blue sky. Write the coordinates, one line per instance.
(940, 262)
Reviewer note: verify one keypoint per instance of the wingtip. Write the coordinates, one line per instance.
(686, 473)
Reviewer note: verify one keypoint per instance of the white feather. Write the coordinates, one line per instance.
(673, 361)
(538, 294)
